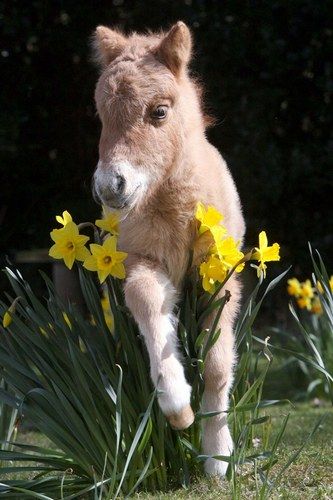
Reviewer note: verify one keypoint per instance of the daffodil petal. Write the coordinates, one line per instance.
(97, 250)
(102, 275)
(81, 239)
(271, 253)
(82, 253)
(263, 242)
(90, 263)
(120, 256)
(69, 260)
(60, 220)
(118, 270)
(110, 244)
(55, 252)
(56, 234)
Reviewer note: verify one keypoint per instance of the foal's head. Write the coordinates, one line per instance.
(147, 105)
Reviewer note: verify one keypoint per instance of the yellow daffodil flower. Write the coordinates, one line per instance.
(304, 303)
(306, 295)
(265, 253)
(106, 260)
(219, 234)
(206, 243)
(331, 282)
(8, 316)
(223, 250)
(229, 254)
(316, 307)
(69, 244)
(7, 319)
(208, 218)
(294, 287)
(66, 217)
(307, 290)
(110, 221)
(211, 271)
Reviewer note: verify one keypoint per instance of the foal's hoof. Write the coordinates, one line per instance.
(216, 468)
(181, 420)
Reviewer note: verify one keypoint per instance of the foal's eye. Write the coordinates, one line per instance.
(160, 112)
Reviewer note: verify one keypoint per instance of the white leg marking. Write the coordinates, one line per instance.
(167, 372)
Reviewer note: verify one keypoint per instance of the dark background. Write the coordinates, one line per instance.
(267, 68)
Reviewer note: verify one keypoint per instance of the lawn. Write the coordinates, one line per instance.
(310, 477)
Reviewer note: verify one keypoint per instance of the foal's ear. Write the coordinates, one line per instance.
(175, 48)
(107, 45)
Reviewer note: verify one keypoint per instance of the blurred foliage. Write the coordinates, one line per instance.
(267, 69)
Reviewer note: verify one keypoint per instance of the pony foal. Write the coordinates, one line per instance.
(155, 164)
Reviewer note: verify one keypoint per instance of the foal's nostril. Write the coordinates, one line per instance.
(119, 183)
(116, 185)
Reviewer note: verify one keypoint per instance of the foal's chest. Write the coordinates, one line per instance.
(166, 240)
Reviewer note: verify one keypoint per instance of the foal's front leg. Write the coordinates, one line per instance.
(218, 377)
(151, 298)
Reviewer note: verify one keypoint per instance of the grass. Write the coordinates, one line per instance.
(309, 477)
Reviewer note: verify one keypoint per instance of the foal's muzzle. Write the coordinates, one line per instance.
(109, 188)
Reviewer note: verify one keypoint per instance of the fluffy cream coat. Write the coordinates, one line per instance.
(156, 169)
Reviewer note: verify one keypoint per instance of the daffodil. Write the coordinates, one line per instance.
(110, 221)
(66, 217)
(316, 307)
(7, 319)
(211, 271)
(8, 316)
(294, 287)
(331, 282)
(206, 243)
(210, 232)
(306, 295)
(219, 234)
(229, 254)
(307, 290)
(69, 244)
(208, 218)
(304, 303)
(222, 250)
(106, 260)
(265, 253)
